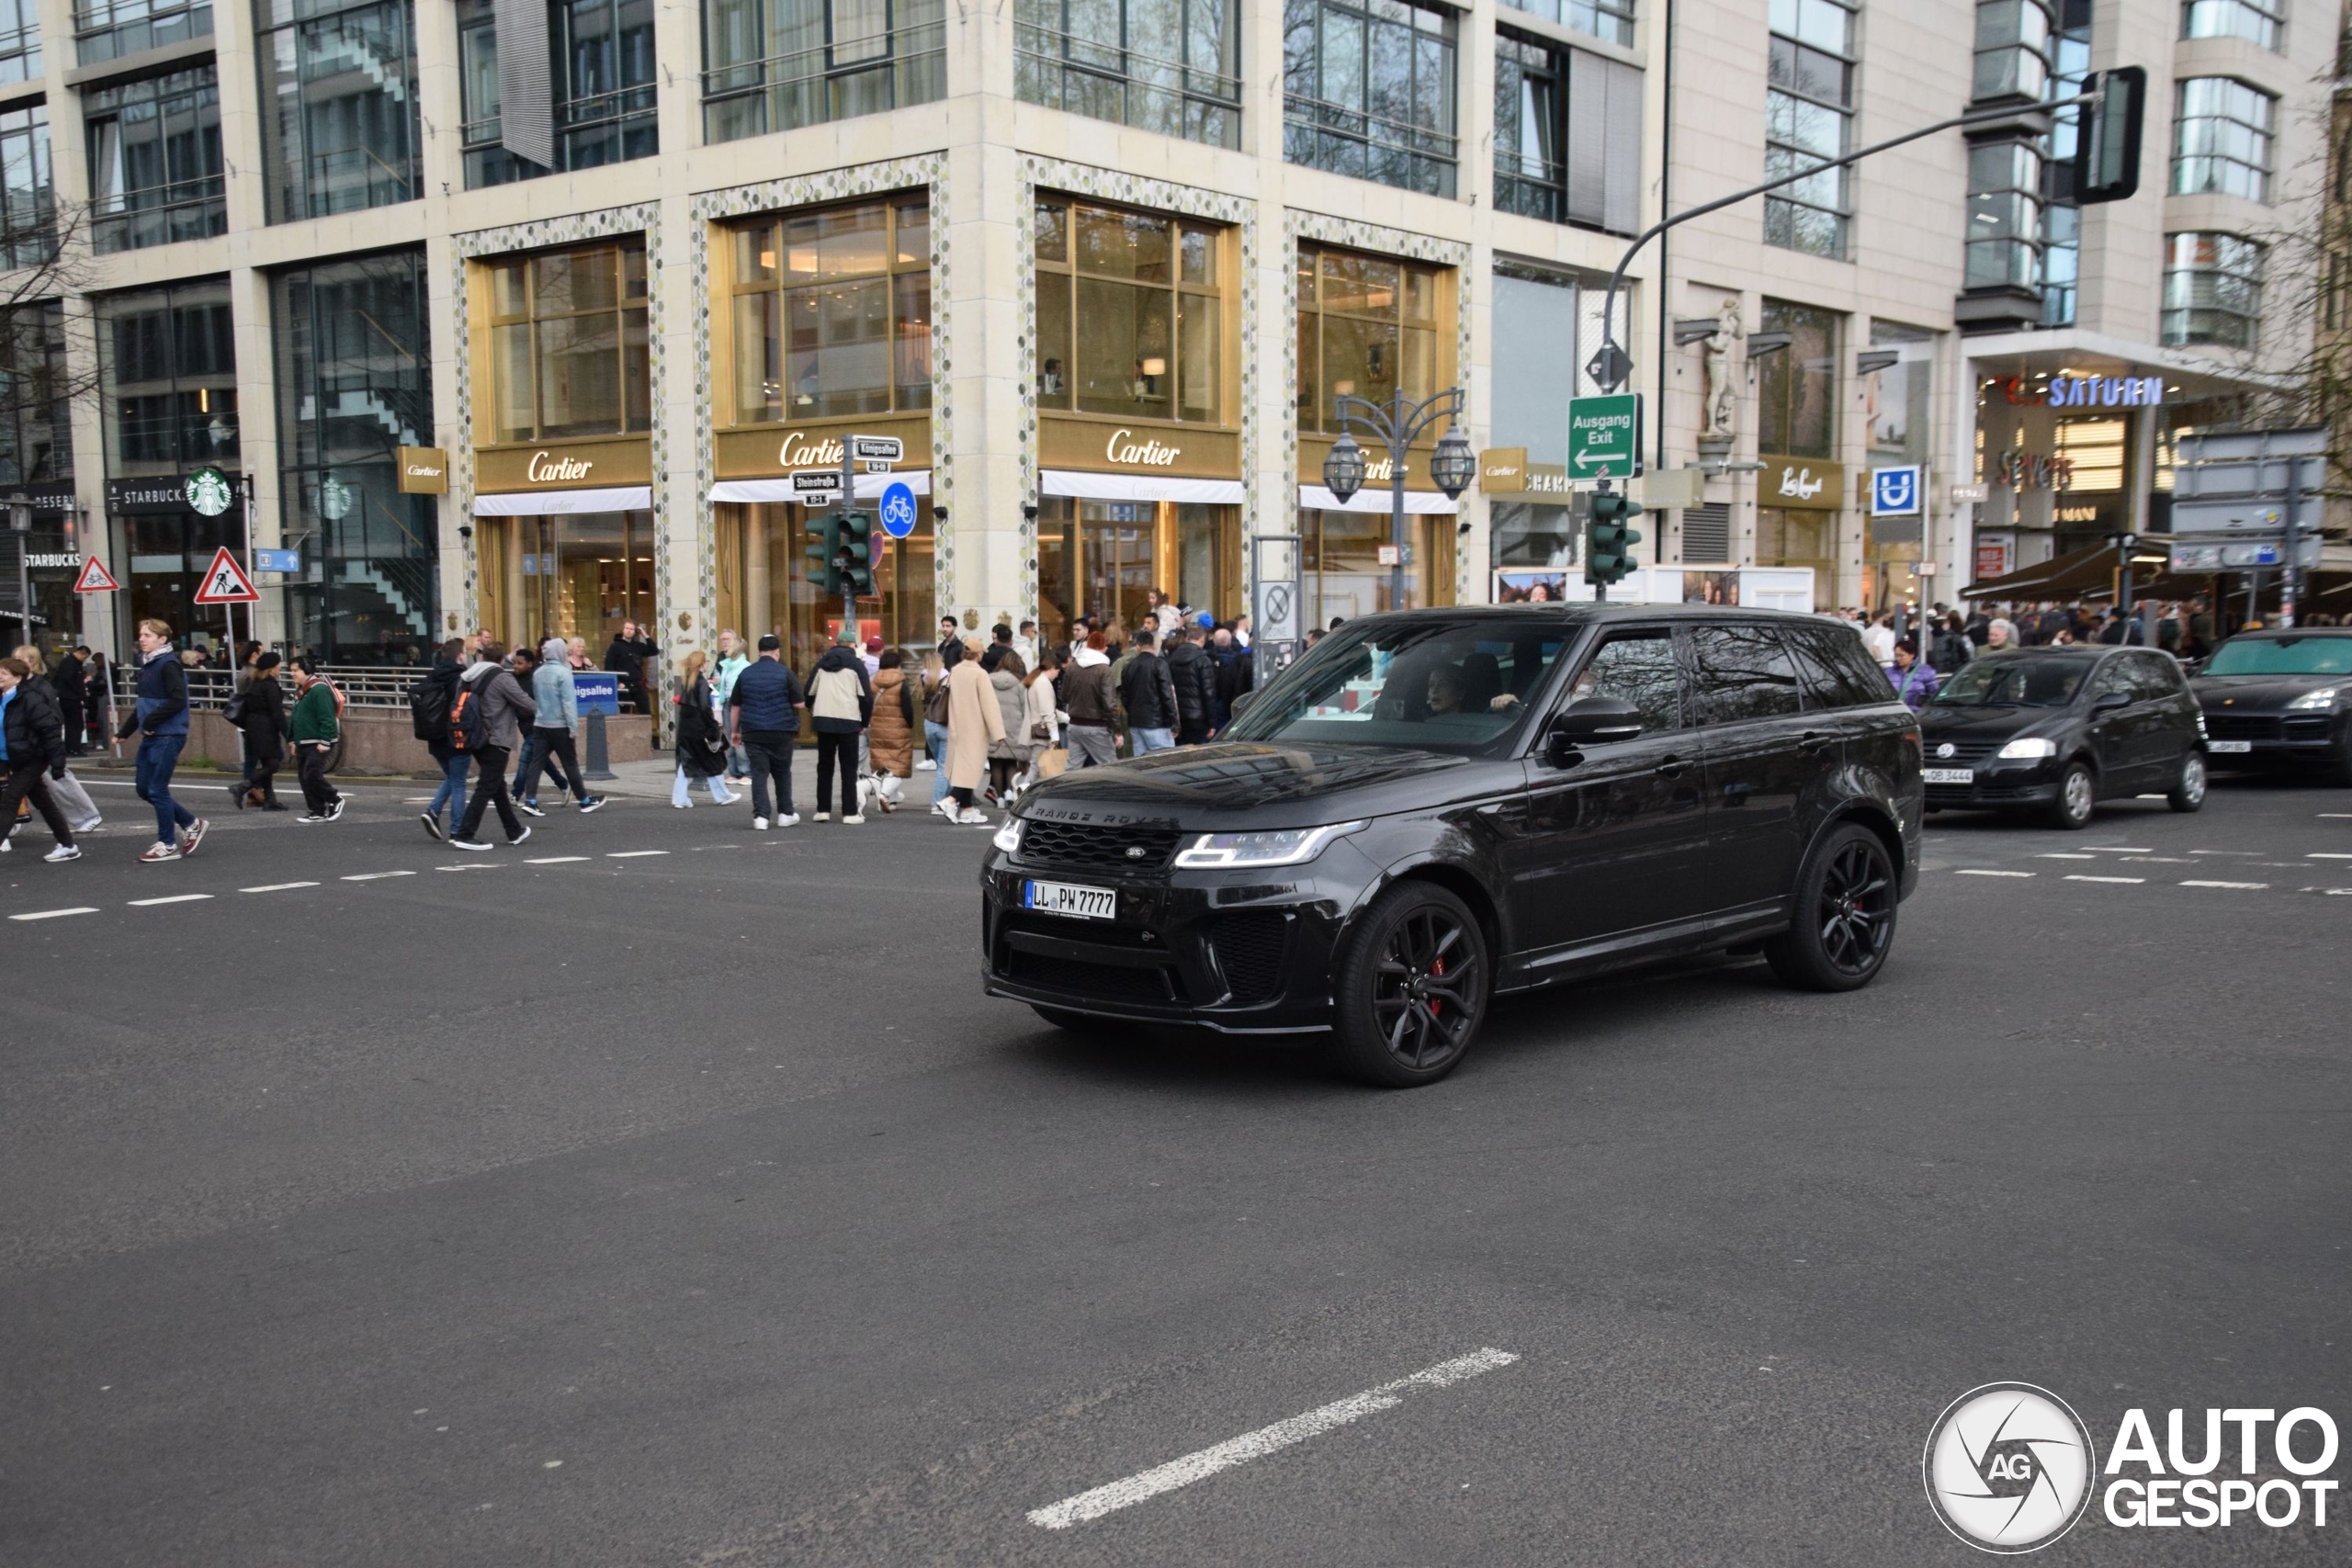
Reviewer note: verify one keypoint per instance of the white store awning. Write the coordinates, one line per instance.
(542, 503)
(1137, 487)
(1315, 498)
(869, 486)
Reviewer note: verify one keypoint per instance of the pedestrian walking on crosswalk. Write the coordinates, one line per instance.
(32, 751)
(159, 719)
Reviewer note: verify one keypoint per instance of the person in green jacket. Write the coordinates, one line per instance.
(314, 726)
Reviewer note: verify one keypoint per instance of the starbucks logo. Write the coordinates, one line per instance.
(209, 492)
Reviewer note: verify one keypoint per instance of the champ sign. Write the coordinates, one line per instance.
(1604, 436)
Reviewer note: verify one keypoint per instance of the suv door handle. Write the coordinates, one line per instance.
(1814, 740)
(1671, 768)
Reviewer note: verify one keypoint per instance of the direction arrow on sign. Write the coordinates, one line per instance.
(1604, 436)
(94, 578)
(225, 582)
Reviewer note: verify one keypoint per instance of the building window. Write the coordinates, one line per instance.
(28, 194)
(167, 370)
(1367, 325)
(1165, 65)
(354, 382)
(19, 41)
(2091, 453)
(1897, 400)
(1797, 388)
(2012, 49)
(1568, 134)
(2062, 217)
(833, 312)
(1131, 313)
(2004, 215)
(1808, 118)
(2254, 20)
(777, 64)
(2222, 138)
(156, 173)
(1611, 20)
(36, 443)
(343, 77)
(2213, 291)
(108, 30)
(600, 75)
(567, 344)
(1369, 90)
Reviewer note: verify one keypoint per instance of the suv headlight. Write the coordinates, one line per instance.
(2323, 698)
(1008, 836)
(1278, 846)
(2028, 750)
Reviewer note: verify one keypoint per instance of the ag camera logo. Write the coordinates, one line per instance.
(2008, 1467)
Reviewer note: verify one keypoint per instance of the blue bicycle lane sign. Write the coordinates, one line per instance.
(899, 510)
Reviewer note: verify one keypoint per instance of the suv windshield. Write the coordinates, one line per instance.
(1461, 686)
(2015, 679)
(2282, 656)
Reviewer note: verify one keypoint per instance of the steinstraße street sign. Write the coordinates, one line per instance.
(816, 487)
(225, 581)
(1604, 436)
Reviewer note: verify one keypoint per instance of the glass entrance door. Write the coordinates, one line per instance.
(1105, 557)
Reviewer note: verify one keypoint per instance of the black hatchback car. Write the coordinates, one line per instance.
(2282, 699)
(2056, 730)
(1433, 807)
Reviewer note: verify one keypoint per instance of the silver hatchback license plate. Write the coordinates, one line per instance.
(1948, 775)
(2230, 747)
(1064, 898)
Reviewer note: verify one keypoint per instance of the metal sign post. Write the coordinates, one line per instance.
(1278, 602)
(20, 521)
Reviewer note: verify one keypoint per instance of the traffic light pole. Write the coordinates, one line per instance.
(1599, 586)
(843, 507)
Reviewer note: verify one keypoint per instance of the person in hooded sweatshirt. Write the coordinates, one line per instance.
(841, 705)
(505, 708)
(552, 750)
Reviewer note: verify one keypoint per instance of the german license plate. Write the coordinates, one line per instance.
(1063, 898)
(1948, 775)
(2233, 746)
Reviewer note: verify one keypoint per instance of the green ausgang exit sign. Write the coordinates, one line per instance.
(1604, 436)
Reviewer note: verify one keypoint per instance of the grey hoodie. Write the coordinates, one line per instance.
(505, 706)
(551, 690)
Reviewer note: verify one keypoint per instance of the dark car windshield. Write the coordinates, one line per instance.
(1461, 686)
(2282, 656)
(2014, 680)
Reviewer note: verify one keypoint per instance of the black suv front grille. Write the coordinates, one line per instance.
(1249, 950)
(1088, 846)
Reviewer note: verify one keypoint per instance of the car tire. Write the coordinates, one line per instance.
(1411, 988)
(1841, 914)
(1076, 1022)
(2076, 799)
(2188, 791)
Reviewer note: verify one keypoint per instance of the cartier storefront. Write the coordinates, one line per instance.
(827, 335)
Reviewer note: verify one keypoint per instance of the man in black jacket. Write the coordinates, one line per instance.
(71, 677)
(625, 658)
(1148, 696)
(1194, 675)
(32, 751)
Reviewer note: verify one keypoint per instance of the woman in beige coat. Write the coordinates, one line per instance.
(974, 724)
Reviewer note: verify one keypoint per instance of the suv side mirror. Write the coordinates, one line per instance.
(2108, 702)
(1589, 721)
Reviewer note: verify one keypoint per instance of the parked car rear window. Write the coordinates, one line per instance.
(2282, 656)
(1457, 686)
(1744, 673)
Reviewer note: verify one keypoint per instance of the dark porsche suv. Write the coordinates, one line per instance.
(1433, 807)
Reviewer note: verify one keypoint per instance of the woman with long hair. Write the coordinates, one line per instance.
(701, 747)
(975, 723)
(1009, 753)
(80, 810)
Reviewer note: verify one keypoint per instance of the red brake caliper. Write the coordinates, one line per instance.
(1437, 971)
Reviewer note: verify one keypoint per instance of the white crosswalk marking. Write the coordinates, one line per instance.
(634, 854)
(2133, 880)
(2248, 886)
(1976, 870)
(56, 914)
(175, 899)
(277, 886)
(377, 875)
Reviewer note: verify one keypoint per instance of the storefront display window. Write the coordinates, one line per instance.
(1131, 313)
(571, 574)
(761, 550)
(1366, 326)
(567, 344)
(1345, 576)
(833, 312)
(1105, 557)
(1786, 536)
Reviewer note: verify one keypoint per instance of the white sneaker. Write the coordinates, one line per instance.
(789, 819)
(64, 851)
(853, 819)
(944, 806)
(92, 826)
(974, 817)
(822, 817)
(759, 824)
(926, 766)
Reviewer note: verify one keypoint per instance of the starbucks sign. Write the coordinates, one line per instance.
(209, 492)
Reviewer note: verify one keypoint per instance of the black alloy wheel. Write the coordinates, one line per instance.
(1412, 987)
(1842, 917)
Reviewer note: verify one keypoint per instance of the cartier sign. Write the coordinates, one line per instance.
(425, 470)
(1103, 445)
(768, 451)
(1124, 449)
(574, 465)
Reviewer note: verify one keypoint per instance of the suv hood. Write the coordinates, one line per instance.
(1246, 784)
(2259, 693)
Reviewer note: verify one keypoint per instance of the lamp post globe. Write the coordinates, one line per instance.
(1344, 468)
(1453, 466)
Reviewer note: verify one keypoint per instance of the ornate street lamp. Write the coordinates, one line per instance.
(1344, 468)
(1454, 466)
(1399, 423)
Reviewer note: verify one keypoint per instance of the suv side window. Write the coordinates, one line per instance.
(1744, 672)
(1828, 683)
(1636, 667)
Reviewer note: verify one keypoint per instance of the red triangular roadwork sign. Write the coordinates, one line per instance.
(225, 582)
(94, 578)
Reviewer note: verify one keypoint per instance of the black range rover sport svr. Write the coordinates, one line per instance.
(1433, 807)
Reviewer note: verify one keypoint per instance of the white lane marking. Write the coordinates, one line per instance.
(2337, 815)
(2133, 880)
(2157, 859)
(377, 875)
(2325, 854)
(634, 854)
(2125, 849)
(2249, 887)
(56, 914)
(2330, 892)
(555, 860)
(1199, 1466)
(1972, 871)
(277, 886)
(2248, 853)
(471, 866)
(175, 899)
(2066, 855)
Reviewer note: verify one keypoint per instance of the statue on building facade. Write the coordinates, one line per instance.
(1719, 398)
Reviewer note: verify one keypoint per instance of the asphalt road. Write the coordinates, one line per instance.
(694, 1208)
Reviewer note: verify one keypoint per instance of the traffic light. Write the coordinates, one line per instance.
(2107, 136)
(857, 552)
(1608, 541)
(824, 553)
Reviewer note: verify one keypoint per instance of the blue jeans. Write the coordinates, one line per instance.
(452, 792)
(1149, 740)
(528, 755)
(935, 745)
(158, 755)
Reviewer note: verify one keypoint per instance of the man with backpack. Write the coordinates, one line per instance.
(552, 752)
(314, 726)
(429, 702)
(484, 721)
(762, 715)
